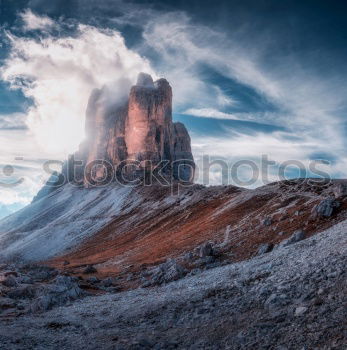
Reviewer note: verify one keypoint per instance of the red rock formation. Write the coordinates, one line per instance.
(183, 159)
(148, 132)
(138, 130)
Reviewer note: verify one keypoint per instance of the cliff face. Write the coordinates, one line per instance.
(148, 132)
(138, 131)
(128, 139)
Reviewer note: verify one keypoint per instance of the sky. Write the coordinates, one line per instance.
(252, 80)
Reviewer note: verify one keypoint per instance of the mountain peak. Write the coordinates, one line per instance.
(145, 80)
(133, 137)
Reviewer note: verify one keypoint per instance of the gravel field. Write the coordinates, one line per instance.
(292, 298)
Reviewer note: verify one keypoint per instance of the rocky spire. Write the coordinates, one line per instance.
(140, 130)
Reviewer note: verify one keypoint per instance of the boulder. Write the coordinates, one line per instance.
(206, 250)
(326, 207)
(93, 280)
(300, 310)
(90, 269)
(188, 257)
(340, 190)
(276, 301)
(295, 237)
(165, 273)
(107, 282)
(264, 248)
(62, 290)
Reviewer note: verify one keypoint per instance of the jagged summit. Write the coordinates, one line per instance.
(145, 80)
(128, 139)
(133, 137)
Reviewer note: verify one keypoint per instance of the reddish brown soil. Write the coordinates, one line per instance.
(147, 237)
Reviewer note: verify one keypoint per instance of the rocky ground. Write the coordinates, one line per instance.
(294, 297)
(125, 230)
(238, 222)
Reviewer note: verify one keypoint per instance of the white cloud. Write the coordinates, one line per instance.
(210, 113)
(277, 147)
(308, 104)
(304, 96)
(216, 114)
(35, 22)
(13, 121)
(59, 75)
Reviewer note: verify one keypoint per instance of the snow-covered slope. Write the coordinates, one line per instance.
(60, 221)
(116, 227)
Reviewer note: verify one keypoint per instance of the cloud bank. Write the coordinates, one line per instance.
(59, 73)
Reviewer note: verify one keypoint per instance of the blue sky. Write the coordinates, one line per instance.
(250, 78)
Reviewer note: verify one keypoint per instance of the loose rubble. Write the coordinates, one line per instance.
(292, 298)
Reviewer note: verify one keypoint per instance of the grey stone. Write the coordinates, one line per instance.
(300, 310)
(107, 282)
(206, 250)
(204, 261)
(42, 303)
(276, 301)
(326, 207)
(10, 281)
(264, 248)
(62, 290)
(113, 289)
(93, 280)
(90, 269)
(213, 264)
(130, 277)
(194, 272)
(340, 190)
(296, 237)
(188, 256)
(165, 273)
(9, 273)
(267, 221)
